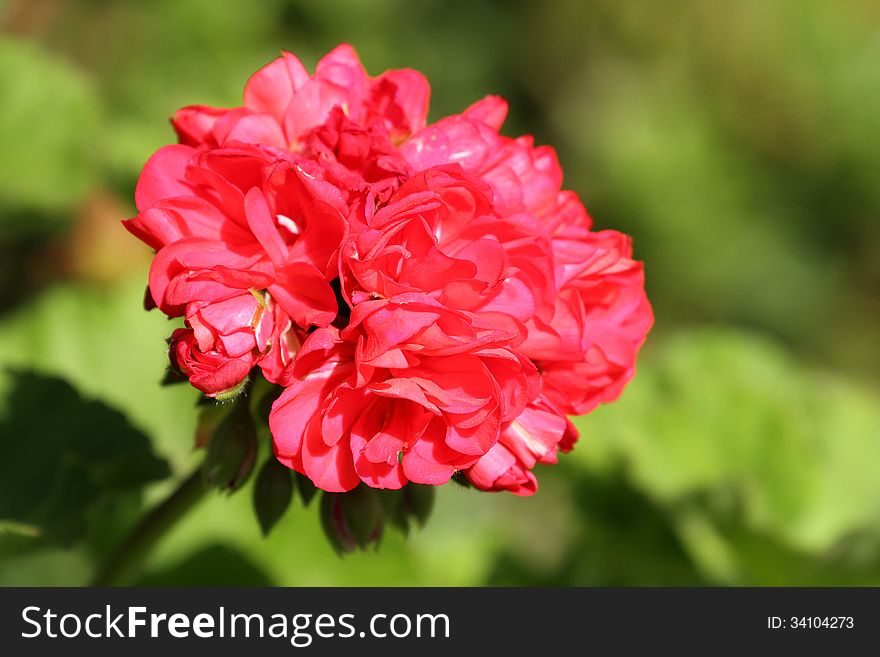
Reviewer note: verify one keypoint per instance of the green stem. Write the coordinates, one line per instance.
(125, 559)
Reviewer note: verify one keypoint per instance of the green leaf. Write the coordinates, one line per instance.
(64, 456)
(103, 342)
(273, 491)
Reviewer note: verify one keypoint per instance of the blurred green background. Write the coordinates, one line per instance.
(739, 143)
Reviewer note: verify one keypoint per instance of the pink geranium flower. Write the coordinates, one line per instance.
(430, 298)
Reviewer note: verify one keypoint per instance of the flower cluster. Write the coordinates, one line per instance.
(428, 296)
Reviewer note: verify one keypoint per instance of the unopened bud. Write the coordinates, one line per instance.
(232, 450)
(211, 414)
(352, 520)
(412, 502)
(305, 487)
(418, 501)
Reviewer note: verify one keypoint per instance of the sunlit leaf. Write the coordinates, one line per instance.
(736, 418)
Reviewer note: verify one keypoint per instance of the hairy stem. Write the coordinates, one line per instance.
(124, 561)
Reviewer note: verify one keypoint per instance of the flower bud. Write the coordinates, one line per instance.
(214, 373)
(418, 501)
(233, 448)
(273, 491)
(352, 520)
(261, 395)
(413, 501)
(305, 487)
(211, 414)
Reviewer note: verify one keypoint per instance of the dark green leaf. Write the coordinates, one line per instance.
(59, 466)
(102, 342)
(413, 501)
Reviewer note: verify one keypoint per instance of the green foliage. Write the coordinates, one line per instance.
(418, 502)
(737, 145)
(102, 342)
(737, 440)
(211, 565)
(56, 107)
(620, 538)
(63, 469)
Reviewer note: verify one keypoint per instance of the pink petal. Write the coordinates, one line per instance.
(423, 471)
(331, 468)
(299, 402)
(305, 295)
(491, 110)
(411, 95)
(194, 124)
(257, 129)
(262, 224)
(163, 176)
(271, 89)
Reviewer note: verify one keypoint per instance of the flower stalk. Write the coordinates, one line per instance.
(123, 563)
